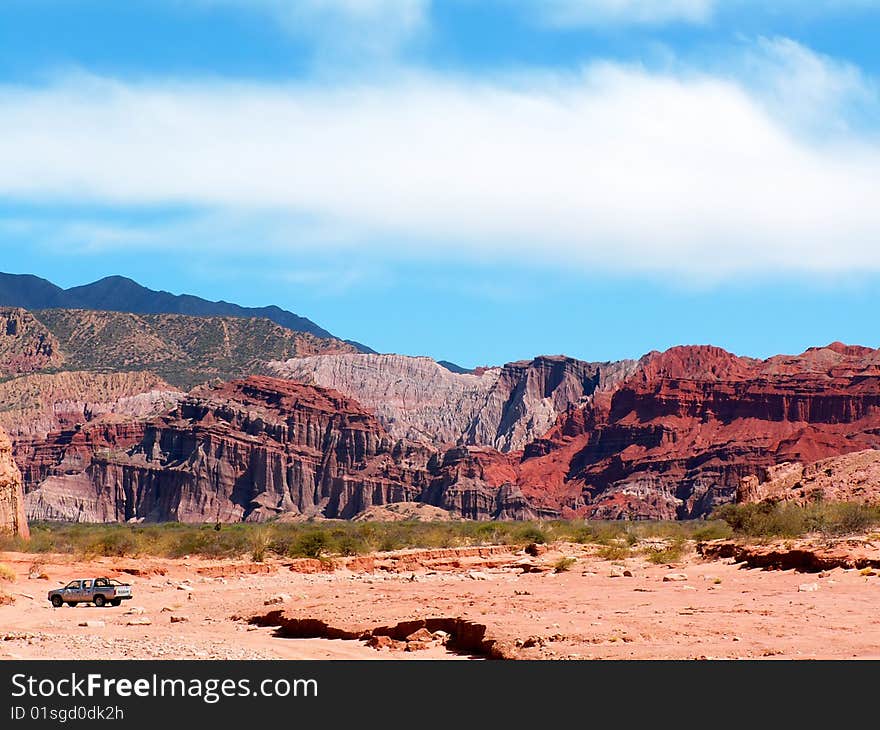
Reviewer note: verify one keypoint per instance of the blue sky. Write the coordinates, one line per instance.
(474, 181)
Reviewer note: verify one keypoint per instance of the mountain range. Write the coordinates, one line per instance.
(119, 416)
(182, 349)
(120, 294)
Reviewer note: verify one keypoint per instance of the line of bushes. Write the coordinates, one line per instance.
(786, 519)
(316, 539)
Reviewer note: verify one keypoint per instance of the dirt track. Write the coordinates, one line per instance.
(718, 611)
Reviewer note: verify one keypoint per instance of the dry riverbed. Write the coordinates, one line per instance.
(445, 603)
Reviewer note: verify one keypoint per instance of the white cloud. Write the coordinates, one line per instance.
(566, 13)
(621, 169)
(605, 13)
(801, 86)
(334, 280)
(347, 28)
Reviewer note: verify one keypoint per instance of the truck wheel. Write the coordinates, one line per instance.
(99, 601)
(57, 602)
(116, 602)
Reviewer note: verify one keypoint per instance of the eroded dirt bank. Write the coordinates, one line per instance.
(485, 602)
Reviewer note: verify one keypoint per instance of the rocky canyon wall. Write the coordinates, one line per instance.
(671, 436)
(417, 399)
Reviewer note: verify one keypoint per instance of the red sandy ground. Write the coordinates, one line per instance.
(720, 611)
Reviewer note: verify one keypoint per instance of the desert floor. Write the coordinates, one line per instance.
(509, 605)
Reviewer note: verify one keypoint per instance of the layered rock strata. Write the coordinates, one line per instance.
(418, 399)
(673, 437)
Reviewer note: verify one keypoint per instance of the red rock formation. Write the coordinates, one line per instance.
(12, 512)
(26, 345)
(853, 477)
(807, 555)
(672, 440)
(247, 449)
(677, 436)
(250, 449)
(73, 450)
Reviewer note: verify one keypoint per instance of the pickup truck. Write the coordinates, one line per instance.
(100, 591)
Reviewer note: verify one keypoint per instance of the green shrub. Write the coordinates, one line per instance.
(606, 533)
(260, 542)
(847, 518)
(282, 542)
(389, 543)
(581, 535)
(117, 543)
(351, 545)
(7, 573)
(671, 552)
(488, 532)
(614, 552)
(764, 519)
(530, 533)
(310, 545)
(712, 530)
(563, 564)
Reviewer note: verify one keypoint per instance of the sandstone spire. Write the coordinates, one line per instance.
(12, 516)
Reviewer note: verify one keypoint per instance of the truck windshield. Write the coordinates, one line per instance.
(73, 585)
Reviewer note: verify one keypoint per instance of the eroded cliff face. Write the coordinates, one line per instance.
(257, 449)
(851, 477)
(415, 398)
(678, 436)
(12, 511)
(227, 453)
(26, 344)
(33, 406)
(672, 437)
